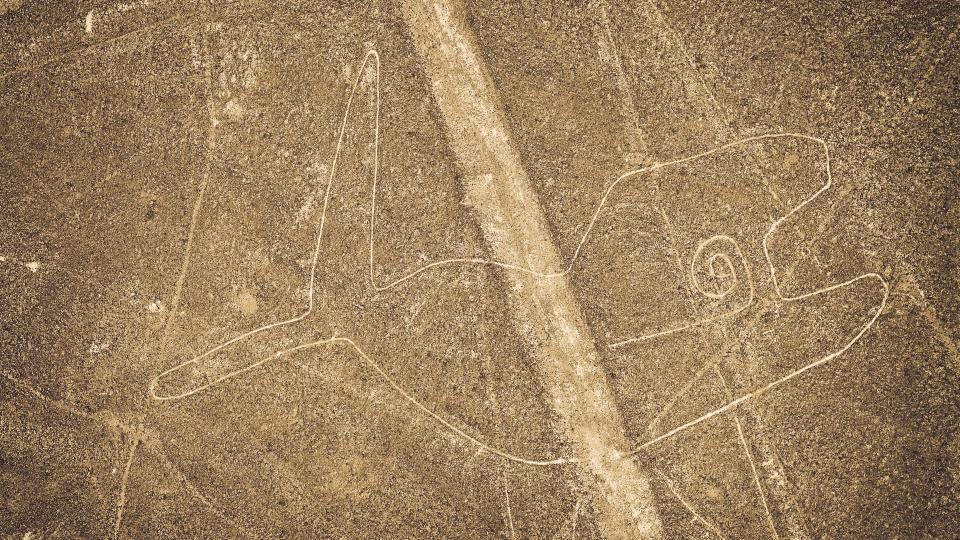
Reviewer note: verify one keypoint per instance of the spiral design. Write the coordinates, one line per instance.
(713, 272)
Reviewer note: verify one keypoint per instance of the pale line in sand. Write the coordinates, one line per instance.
(195, 491)
(135, 433)
(506, 493)
(122, 495)
(187, 252)
(310, 307)
(695, 282)
(668, 406)
(438, 418)
(508, 266)
(188, 18)
(725, 125)
(68, 408)
(693, 511)
(749, 454)
(773, 274)
(103, 417)
(185, 263)
(198, 203)
(756, 476)
(766, 388)
(80, 50)
(929, 314)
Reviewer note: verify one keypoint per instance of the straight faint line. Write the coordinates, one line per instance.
(693, 67)
(746, 449)
(756, 477)
(198, 203)
(506, 493)
(676, 493)
(80, 50)
(726, 125)
(104, 418)
(192, 488)
(60, 405)
(770, 386)
(185, 263)
(191, 18)
(930, 315)
(122, 496)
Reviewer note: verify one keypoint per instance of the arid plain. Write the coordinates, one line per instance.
(442, 269)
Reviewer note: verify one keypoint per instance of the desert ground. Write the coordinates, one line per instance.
(446, 269)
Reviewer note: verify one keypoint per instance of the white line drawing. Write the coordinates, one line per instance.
(698, 286)
(372, 58)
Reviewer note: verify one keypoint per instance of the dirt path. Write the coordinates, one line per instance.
(546, 312)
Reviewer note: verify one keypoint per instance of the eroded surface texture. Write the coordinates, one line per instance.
(433, 269)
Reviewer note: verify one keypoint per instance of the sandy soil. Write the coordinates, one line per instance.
(479, 270)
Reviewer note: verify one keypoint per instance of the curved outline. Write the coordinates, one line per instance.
(776, 284)
(545, 275)
(696, 284)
